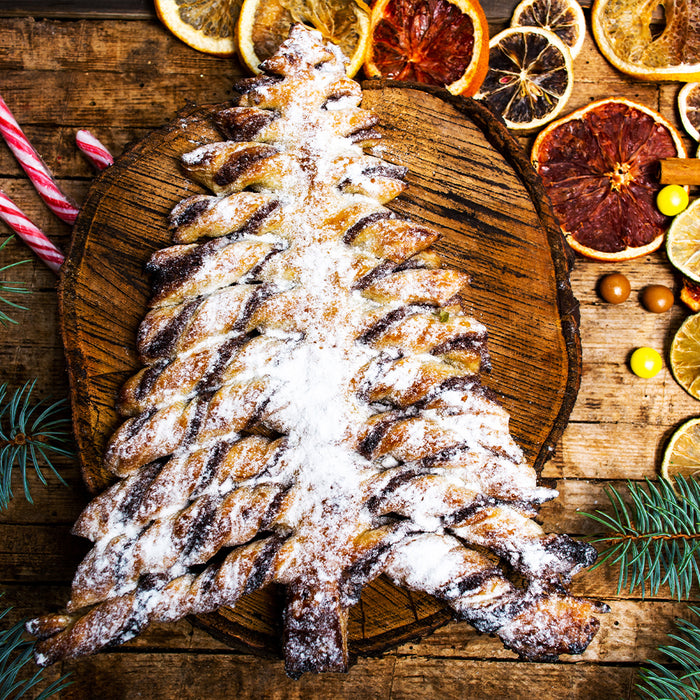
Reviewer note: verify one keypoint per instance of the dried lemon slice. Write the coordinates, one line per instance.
(264, 24)
(563, 17)
(682, 454)
(623, 32)
(205, 25)
(685, 355)
(689, 108)
(530, 77)
(683, 241)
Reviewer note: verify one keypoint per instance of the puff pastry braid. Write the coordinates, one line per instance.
(310, 411)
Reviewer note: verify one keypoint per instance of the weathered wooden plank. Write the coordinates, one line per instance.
(144, 48)
(61, 505)
(132, 99)
(650, 269)
(487, 680)
(495, 10)
(626, 397)
(54, 503)
(390, 677)
(608, 450)
(39, 553)
(164, 676)
(82, 98)
(22, 192)
(78, 8)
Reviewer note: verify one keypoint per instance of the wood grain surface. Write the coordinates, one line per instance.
(467, 178)
(121, 79)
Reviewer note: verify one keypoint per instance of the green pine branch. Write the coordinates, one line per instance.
(16, 651)
(654, 539)
(31, 434)
(7, 287)
(653, 536)
(681, 680)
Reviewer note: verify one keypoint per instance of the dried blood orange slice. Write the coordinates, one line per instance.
(599, 166)
(623, 30)
(438, 42)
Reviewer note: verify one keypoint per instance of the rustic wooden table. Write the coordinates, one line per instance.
(88, 68)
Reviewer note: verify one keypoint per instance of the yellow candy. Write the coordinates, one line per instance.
(646, 362)
(672, 200)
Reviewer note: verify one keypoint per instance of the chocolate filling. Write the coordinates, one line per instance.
(259, 81)
(239, 162)
(164, 342)
(149, 378)
(378, 328)
(261, 567)
(188, 214)
(364, 135)
(243, 123)
(352, 232)
(138, 488)
(199, 526)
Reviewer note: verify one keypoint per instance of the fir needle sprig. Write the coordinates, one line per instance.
(30, 433)
(655, 538)
(7, 287)
(16, 651)
(682, 681)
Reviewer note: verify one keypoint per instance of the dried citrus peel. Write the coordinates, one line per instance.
(623, 32)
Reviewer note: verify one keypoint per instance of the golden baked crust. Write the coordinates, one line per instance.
(310, 411)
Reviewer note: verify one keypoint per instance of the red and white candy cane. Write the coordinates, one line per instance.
(33, 236)
(61, 205)
(93, 149)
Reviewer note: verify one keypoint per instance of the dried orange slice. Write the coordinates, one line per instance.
(623, 32)
(563, 17)
(530, 77)
(684, 356)
(438, 42)
(599, 166)
(682, 454)
(264, 24)
(205, 25)
(689, 108)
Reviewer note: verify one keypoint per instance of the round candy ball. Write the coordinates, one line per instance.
(645, 362)
(672, 200)
(614, 288)
(657, 298)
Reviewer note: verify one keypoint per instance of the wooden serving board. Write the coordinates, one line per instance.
(468, 178)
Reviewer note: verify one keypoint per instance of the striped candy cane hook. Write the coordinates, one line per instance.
(64, 208)
(33, 236)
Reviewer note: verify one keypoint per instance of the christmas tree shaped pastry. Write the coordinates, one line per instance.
(310, 411)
